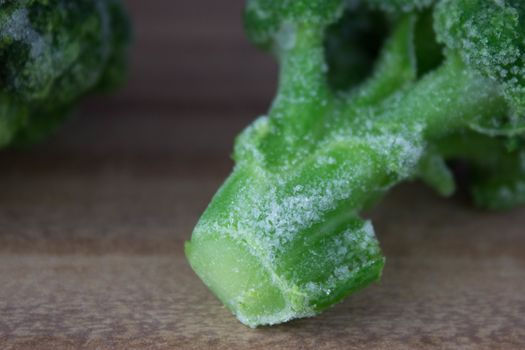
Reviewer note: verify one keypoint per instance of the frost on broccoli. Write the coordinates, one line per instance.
(51, 53)
(397, 6)
(489, 36)
(283, 237)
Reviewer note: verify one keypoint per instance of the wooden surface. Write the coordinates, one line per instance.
(194, 54)
(92, 223)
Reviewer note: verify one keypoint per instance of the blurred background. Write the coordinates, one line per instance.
(194, 82)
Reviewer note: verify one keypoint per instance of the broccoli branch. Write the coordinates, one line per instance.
(283, 237)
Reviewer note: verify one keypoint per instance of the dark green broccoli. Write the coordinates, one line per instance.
(52, 52)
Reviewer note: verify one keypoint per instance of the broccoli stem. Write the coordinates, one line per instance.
(444, 100)
(282, 238)
(303, 94)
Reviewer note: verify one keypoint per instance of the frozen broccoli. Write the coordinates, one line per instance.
(371, 93)
(52, 52)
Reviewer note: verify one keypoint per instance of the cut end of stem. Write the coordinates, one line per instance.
(241, 282)
(258, 295)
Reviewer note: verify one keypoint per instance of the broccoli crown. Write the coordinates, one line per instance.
(51, 53)
(490, 36)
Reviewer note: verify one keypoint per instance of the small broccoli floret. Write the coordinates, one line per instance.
(283, 237)
(489, 36)
(54, 51)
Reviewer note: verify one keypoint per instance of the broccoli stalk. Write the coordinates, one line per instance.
(283, 238)
(52, 52)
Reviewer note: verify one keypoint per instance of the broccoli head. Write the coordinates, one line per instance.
(52, 52)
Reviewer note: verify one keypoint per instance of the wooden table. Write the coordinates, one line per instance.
(93, 222)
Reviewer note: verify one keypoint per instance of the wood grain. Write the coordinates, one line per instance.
(91, 257)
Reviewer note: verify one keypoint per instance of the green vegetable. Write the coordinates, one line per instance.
(52, 52)
(283, 238)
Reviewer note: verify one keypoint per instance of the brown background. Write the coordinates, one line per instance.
(92, 222)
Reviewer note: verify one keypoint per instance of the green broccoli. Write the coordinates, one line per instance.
(283, 238)
(52, 52)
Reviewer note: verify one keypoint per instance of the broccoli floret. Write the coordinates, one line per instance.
(51, 53)
(489, 36)
(283, 237)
